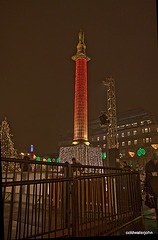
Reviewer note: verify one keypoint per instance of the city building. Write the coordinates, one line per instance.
(137, 132)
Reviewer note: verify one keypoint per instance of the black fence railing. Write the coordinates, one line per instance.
(47, 200)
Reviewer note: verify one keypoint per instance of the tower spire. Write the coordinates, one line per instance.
(81, 48)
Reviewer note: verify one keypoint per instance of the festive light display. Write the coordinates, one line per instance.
(86, 155)
(37, 158)
(155, 145)
(48, 160)
(7, 145)
(103, 155)
(131, 154)
(141, 151)
(58, 160)
(80, 108)
(31, 150)
(80, 104)
(34, 157)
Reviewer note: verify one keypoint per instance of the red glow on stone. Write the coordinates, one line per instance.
(80, 108)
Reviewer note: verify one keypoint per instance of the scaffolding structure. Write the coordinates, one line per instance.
(112, 137)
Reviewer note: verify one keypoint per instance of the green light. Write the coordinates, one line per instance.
(48, 160)
(130, 164)
(58, 160)
(103, 155)
(141, 151)
(37, 158)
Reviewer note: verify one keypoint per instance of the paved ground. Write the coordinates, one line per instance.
(146, 225)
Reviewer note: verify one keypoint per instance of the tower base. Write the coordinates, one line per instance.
(86, 155)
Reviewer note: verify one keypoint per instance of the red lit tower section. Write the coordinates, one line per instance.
(80, 108)
(80, 104)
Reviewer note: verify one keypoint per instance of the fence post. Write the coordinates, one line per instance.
(1, 198)
(66, 196)
(75, 220)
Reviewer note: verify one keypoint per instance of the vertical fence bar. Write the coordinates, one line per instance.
(42, 209)
(134, 197)
(26, 204)
(20, 210)
(81, 207)
(28, 211)
(113, 200)
(39, 199)
(104, 202)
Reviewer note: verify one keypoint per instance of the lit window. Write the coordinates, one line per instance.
(150, 139)
(148, 121)
(122, 134)
(103, 137)
(134, 132)
(128, 133)
(142, 123)
(117, 135)
(142, 130)
(157, 129)
(146, 130)
(129, 142)
(143, 140)
(98, 138)
(149, 130)
(123, 144)
(134, 124)
(98, 145)
(104, 145)
(123, 153)
(147, 140)
(135, 141)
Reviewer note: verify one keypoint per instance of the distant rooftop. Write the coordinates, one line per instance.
(133, 113)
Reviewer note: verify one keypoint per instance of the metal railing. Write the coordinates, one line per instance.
(50, 200)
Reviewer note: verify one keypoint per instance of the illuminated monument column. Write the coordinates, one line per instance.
(80, 105)
(81, 148)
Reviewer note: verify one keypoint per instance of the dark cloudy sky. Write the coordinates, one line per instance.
(37, 40)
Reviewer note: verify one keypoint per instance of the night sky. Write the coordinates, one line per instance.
(37, 74)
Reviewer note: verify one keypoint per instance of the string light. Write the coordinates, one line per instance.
(80, 108)
(86, 155)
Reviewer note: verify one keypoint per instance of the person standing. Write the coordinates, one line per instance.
(125, 166)
(151, 171)
(76, 169)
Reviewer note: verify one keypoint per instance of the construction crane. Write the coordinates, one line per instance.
(112, 137)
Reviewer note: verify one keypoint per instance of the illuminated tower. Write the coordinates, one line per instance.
(80, 104)
(80, 148)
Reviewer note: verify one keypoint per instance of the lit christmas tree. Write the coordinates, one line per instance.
(7, 145)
